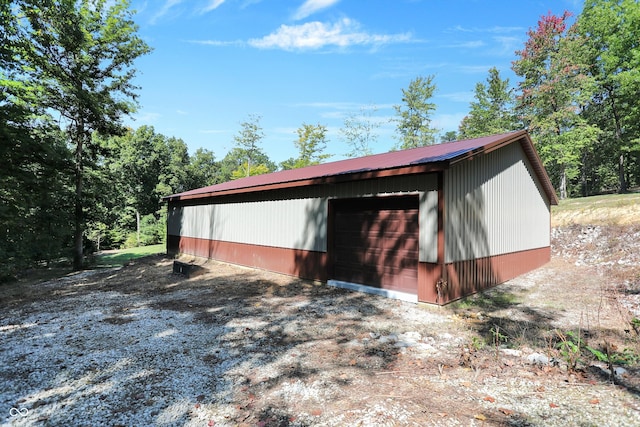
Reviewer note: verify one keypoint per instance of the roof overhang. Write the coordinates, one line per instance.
(432, 161)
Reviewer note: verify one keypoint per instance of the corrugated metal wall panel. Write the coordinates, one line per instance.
(297, 218)
(294, 224)
(494, 205)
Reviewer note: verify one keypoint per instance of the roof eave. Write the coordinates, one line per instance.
(330, 179)
(527, 145)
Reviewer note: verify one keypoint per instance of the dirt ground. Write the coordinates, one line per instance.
(235, 346)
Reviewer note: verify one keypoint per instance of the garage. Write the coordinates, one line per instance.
(375, 242)
(431, 224)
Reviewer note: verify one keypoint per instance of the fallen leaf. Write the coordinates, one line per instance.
(489, 399)
(540, 389)
(442, 414)
(466, 384)
(553, 405)
(594, 401)
(211, 423)
(352, 362)
(316, 412)
(480, 417)
(506, 411)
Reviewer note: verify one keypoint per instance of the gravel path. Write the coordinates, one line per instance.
(142, 346)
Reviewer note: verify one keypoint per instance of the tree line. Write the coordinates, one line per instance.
(77, 180)
(577, 96)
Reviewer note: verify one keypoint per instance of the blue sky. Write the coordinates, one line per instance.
(215, 62)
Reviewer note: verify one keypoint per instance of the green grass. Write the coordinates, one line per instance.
(593, 202)
(123, 256)
(608, 209)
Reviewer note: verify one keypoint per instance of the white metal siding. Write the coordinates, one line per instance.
(267, 223)
(297, 218)
(494, 205)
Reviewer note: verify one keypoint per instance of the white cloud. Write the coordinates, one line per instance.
(309, 7)
(447, 122)
(467, 45)
(459, 96)
(315, 35)
(472, 69)
(508, 45)
(495, 29)
(166, 7)
(147, 117)
(218, 42)
(213, 4)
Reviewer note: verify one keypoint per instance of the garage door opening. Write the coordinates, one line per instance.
(374, 242)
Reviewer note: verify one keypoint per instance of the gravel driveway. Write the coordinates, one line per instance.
(142, 346)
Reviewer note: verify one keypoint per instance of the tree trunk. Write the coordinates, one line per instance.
(563, 184)
(78, 252)
(138, 227)
(621, 174)
(583, 176)
(618, 136)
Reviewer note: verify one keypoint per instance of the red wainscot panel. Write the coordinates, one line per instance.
(305, 264)
(469, 277)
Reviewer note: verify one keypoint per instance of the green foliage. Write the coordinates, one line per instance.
(311, 143)
(81, 54)
(610, 29)
(413, 121)
(358, 132)
(569, 347)
(492, 111)
(202, 170)
(554, 90)
(572, 348)
(477, 343)
(578, 96)
(35, 196)
(450, 136)
(240, 172)
(497, 338)
(234, 165)
(138, 169)
(247, 140)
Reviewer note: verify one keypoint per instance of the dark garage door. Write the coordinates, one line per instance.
(375, 242)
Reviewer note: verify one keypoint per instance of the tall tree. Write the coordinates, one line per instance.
(82, 53)
(311, 143)
(234, 164)
(203, 169)
(493, 109)
(450, 136)
(247, 142)
(359, 131)
(137, 159)
(554, 91)
(413, 121)
(141, 167)
(611, 30)
(34, 196)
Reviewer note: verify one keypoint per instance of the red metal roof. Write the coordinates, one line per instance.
(418, 160)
